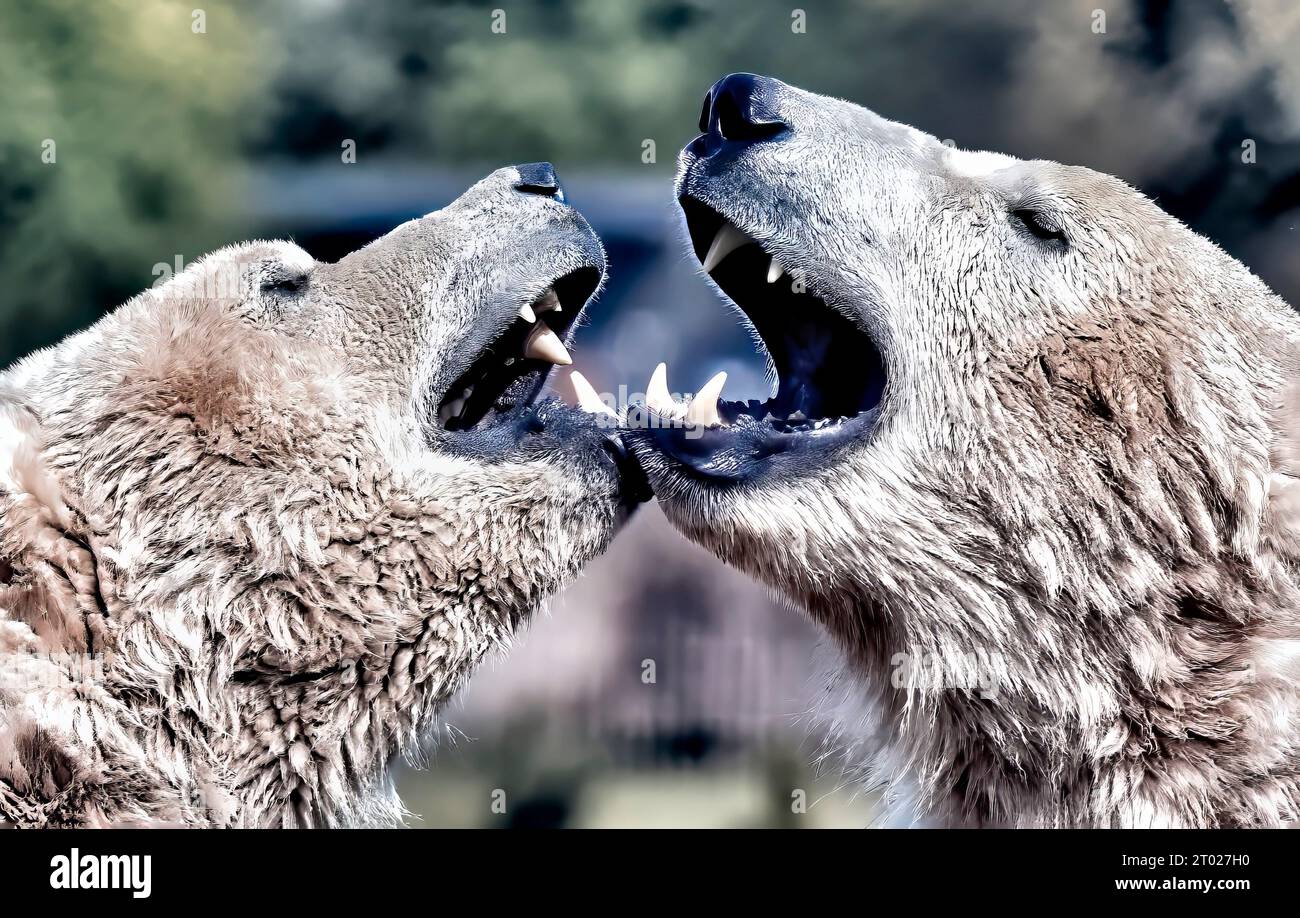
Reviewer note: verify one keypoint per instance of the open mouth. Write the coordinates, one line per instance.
(512, 369)
(830, 376)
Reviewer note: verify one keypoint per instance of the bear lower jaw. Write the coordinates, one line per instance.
(747, 450)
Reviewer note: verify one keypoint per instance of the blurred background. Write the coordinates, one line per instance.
(136, 135)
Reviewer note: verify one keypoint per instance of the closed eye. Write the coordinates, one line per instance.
(1040, 224)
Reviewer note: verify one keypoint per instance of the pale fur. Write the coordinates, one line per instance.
(242, 568)
(1082, 490)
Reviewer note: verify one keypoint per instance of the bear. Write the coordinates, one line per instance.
(259, 523)
(1030, 462)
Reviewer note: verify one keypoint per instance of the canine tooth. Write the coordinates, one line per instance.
(704, 407)
(451, 410)
(774, 271)
(545, 344)
(588, 399)
(547, 302)
(728, 239)
(526, 313)
(657, 397)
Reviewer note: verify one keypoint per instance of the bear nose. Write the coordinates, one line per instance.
(742, 106)
(539, 178)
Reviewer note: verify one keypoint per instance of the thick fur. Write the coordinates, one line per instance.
(1060, 574)
(242, 569)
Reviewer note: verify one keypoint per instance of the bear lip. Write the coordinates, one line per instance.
(510, 372)
(830, 375)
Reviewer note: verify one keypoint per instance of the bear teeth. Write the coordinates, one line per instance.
(728, 238)
(547, 302)
(451, 409)
(588, 399)
(545, 344)
(657, 396)
(702, 410)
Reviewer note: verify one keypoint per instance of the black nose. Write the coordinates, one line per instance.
(742, 106)
(540, 178)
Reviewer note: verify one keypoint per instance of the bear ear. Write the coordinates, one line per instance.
(279, 274)
(284, 277)
(263, 278)
(280, 264)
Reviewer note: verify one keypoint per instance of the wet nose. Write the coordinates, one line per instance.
(742, 107)
(540, 178)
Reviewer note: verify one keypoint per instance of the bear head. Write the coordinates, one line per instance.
(285, 507)
(1029, 457)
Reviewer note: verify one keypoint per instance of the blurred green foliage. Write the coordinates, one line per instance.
(156, 125)
(144, 117)
(583, 81)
